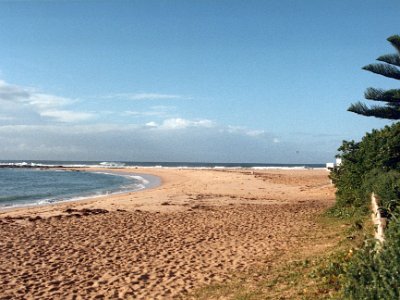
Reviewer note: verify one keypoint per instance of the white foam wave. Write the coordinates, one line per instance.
(111, 164)
(280, 168)
(138, 178)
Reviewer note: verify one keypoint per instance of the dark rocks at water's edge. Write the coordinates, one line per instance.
(87, 211)
(29, 166)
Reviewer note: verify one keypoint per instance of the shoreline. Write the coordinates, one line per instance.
(148, 181)
(199, 227)
(156, 180)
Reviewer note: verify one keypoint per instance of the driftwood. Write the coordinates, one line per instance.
(379, 221)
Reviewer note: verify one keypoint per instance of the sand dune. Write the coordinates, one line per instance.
(199, 227)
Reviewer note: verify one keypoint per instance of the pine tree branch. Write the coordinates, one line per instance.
(384, 70)
(358, 108)
(393, 105)
(382, 112)
(389, 68)
(382, 95)
(393, 59)
(395, 41)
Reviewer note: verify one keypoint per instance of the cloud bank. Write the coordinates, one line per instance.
(41, 126)
(16, 99)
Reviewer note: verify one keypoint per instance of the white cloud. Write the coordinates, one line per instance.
(276, 140)
(234, 129)
(16, 99)
(12, 93)
(67, 116)
(167, 137)
(45, 101)
(71, 129)
(151, 124)
(179, 123)
(146, 96)
(244, 130)
(255, 132)
(142, 113)
(157, 110)
(144, 143)
(6, 118)
(153, 96)
(204, 123)
(25, 95)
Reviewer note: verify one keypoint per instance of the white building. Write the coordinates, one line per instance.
(335, 164)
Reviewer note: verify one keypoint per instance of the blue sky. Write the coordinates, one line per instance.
(226, 81)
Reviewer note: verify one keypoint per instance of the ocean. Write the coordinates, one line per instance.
(34, 186)
(25, 183)
(129, 164)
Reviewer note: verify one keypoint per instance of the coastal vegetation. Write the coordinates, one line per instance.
(372, 166)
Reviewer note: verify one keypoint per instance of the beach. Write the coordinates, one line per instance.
(200, 226)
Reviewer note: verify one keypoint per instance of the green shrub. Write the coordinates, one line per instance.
(371, 165)
(387, 186)
(374, 273)
(377, 153)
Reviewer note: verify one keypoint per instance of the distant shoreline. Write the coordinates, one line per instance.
(134, 165)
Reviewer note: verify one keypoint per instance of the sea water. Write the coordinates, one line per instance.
(23, 186)
(132, 164)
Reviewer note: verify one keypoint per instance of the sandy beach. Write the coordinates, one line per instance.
(196, 228)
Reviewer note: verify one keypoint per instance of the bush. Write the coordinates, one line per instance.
(372, 165)
(377, 153)
(387, 186)
(375, 273)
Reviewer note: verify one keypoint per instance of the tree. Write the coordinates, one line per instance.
(389, 67)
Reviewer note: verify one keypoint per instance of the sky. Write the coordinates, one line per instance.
(188, 81)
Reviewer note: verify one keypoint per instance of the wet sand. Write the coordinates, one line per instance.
(198, 227)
